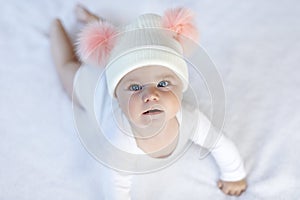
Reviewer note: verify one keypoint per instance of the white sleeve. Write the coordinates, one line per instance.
(116, 185)
(229, 160)
(223, 150)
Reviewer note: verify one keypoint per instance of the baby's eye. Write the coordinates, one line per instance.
(135, 87)
(163, 84)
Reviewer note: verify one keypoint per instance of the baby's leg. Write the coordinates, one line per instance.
(62, 49)
(63, 55)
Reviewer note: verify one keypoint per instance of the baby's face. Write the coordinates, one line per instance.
(149, 94)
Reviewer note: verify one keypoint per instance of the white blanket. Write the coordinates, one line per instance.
(255, 46)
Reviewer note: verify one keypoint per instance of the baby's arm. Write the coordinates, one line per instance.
(227, 157)
(233, 181)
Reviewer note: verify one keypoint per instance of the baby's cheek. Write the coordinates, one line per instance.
(124, 105)
(176, 96)
(176, 106)
(132, 108)
(174, 103)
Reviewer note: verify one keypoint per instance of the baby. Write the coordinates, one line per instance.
(147, 77)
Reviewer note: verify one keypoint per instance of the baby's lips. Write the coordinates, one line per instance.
(152, 111)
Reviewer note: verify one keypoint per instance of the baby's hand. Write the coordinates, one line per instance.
(233, 188)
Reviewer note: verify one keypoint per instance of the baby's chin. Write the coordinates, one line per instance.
(150, 121)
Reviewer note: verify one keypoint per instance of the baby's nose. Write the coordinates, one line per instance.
(150, 94)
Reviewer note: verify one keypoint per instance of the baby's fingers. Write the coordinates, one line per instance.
(232, 192)
(232, 188)
(220, 184)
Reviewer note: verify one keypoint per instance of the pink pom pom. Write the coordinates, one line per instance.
(180, 20)
(96, 42)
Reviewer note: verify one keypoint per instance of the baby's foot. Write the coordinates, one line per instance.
(85, 16)
(56, 29)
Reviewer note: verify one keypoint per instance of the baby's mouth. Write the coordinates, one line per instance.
(152, 112)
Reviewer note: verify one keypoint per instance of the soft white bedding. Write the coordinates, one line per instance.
(255, 46)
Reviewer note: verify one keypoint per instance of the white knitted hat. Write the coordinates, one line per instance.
(148, 41)
(145, 43)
